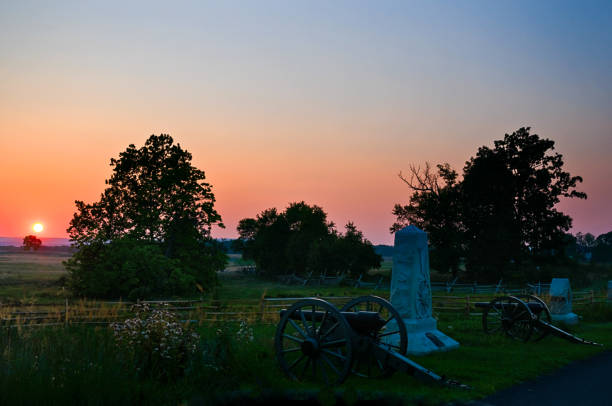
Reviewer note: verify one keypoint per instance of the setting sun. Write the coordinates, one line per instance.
(37, 227)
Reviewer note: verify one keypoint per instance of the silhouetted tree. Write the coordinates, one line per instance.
(356, 255)
(502, 211)
(583, 245)
(159, 205)
(435, 206)
(31, 241)
(300, 240)
(602, 248)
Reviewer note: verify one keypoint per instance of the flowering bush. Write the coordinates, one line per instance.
(245, 332)
(155, 341)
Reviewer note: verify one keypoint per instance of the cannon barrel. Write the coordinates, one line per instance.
(556, 331)
(399, 362)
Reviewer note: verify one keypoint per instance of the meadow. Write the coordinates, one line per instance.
(82, 363)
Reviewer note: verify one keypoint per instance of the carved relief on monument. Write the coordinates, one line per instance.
(423, 305)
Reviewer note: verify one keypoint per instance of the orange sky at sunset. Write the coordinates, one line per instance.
(322, 103)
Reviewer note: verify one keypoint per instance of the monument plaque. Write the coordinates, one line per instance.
(411, 293)
(561, 301)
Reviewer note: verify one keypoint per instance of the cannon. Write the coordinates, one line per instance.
(522, 317)
(367, 337)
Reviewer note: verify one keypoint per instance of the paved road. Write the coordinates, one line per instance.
(582, 383)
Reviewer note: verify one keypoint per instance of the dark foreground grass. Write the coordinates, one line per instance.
(82, 365)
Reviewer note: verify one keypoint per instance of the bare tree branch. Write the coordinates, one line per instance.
(421, 180)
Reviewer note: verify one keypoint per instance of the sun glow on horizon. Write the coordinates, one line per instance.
(37, 227)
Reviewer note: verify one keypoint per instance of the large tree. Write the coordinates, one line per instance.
(503, 209)
(300, 240)
(159, 205)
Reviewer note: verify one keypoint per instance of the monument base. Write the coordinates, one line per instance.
(567, 318)
(424, 337)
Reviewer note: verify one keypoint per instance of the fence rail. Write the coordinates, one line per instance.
(263, 310)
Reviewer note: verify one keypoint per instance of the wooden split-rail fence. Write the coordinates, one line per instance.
(263, 310)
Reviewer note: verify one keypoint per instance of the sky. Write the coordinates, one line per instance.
(318, 101)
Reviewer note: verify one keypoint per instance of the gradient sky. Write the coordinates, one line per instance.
(278, 102)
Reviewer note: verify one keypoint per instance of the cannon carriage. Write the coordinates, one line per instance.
(366, 337)
(523, 318)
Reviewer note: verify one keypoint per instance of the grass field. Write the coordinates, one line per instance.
(80, 364)
(33, 276)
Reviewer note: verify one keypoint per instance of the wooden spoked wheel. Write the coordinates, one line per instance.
(314, 342)
(543, 315)
(509, 315)
(391, 336)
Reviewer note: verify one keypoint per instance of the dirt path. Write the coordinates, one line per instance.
(582, 383)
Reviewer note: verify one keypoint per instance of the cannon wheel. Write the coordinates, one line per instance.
(391, 336)
(544, 315)
(311, 349)
(510, 315)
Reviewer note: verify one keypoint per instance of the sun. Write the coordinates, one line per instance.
(37, 227)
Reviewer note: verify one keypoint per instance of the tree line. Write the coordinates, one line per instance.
(587, 247)
(150, 232)
(300, 240)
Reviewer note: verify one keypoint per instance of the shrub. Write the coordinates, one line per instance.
(156, 342)
(138, 270)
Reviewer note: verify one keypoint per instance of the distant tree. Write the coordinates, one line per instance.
(583, 245)
(602, 248)
(307, 225)
(502, 211)
(264, 240)
(156, 204)
(31, 241)
(300, 240)
(604, 239)
(356, 254)
(585, 241)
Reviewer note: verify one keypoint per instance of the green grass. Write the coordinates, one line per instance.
(235, 285)
(80, 365)
(31, 276)
(487, 363)
(31, 266)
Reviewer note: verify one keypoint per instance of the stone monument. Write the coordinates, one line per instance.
(411, 293)
(561, 301)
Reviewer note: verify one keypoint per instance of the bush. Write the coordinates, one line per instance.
(156, 342)
(138, 270)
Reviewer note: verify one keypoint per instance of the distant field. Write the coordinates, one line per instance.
(27, 274)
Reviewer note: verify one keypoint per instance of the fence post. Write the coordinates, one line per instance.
(262, 305)
(467, 305)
